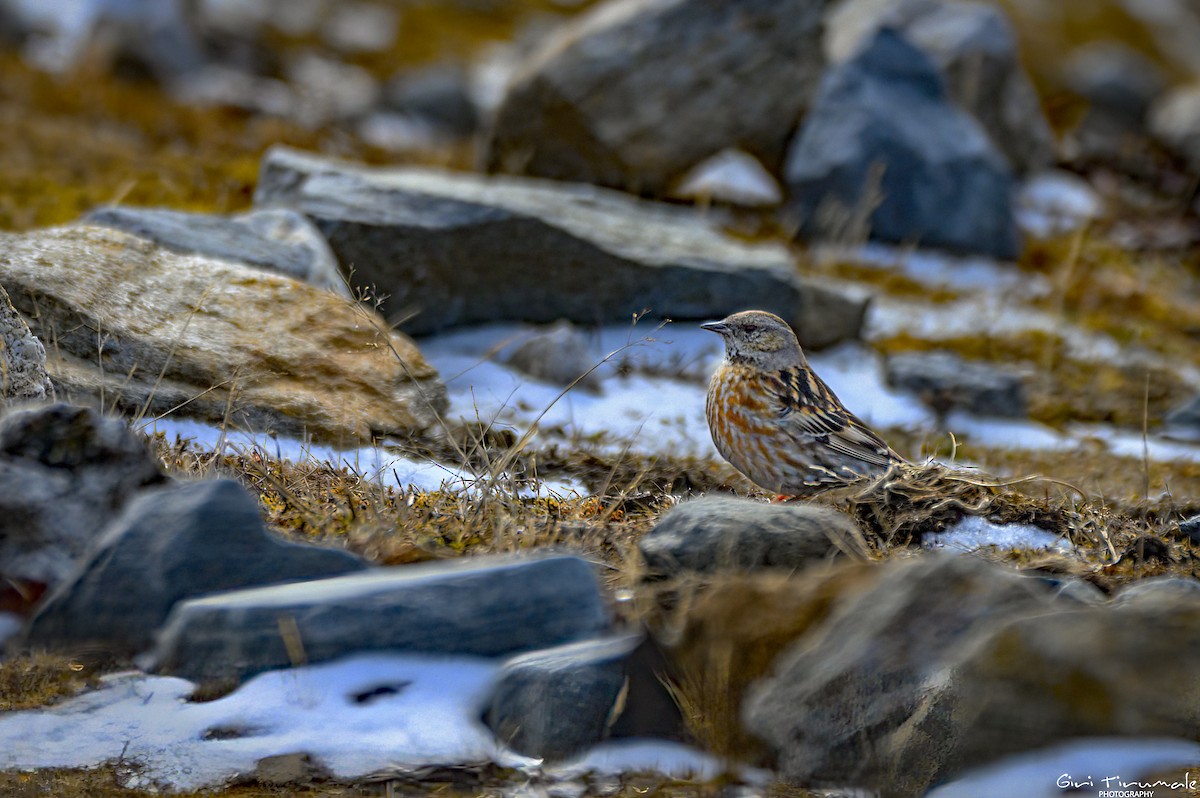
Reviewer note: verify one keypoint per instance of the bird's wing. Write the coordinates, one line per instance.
(806, 406)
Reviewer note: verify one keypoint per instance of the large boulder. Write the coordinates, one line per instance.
(23, 374)
(452, 248)
(169, 545)
(277, 240)
(841, 702)
(883, 151)
(153, 331)
(975, 47)
(1038, 680)
(635, 92)
(487, 607)
(65, 471)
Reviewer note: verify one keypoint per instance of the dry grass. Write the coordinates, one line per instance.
(39, 679)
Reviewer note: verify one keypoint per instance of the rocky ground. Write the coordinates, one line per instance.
(354, 440)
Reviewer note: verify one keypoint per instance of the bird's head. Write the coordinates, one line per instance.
(759, 338)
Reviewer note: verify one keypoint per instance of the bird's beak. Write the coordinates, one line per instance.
(718, 327)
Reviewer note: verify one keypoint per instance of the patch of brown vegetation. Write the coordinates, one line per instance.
(38, 679)
(886, 279)
(1150, 300)
(728, 633)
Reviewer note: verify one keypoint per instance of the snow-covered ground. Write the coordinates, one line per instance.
(647, 398)
(392, 713)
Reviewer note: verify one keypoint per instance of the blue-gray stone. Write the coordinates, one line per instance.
(555, 703)
(487, 607)
(169, 545)
(883, 140)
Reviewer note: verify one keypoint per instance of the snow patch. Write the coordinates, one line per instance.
(1051, 772)
(1055, 202)
(732, 176)
(974, 532)
(391, 711)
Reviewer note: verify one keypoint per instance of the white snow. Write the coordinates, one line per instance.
(732, 176)
(391, 713)
(640, 755)
(1050, 773)
(1056, 202)
(431, 718)
(372, 462)
(973, 532)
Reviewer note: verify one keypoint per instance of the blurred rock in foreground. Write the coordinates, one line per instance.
(150, 330)
(949, 662)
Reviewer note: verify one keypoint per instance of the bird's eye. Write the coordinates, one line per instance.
(751, 328)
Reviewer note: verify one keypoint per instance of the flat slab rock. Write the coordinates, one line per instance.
(277, 240)
(486, 607)
(466, 249)
(153, 330)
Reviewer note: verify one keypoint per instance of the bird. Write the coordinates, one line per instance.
(777, 422)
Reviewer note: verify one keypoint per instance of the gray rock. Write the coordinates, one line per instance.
(488, 607)
(169, 545)
(23, 374)
(1161, 589)
(1190, 529)
(1175, 121)
(944, 382)
(439, 94)
(558, 354)
(465, 249)
(278, 240)
(1082, 592)
(884, 152)
(635, 92)
(841, 702)
(975, 47)
(717, 532)
(154, 332)
(1040, 680)
(66, 472)
(1184, 419)
(1116, 80)
(555, 703)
